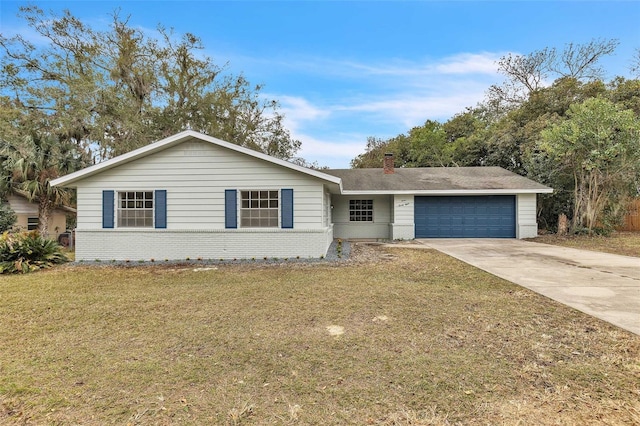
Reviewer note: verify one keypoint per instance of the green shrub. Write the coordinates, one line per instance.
(602, 231)
(27, 251)
(8, 217)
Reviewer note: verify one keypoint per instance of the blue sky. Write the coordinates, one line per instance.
(343, 71)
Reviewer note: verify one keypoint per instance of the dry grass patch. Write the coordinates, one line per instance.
(425, 340)
(625, 243)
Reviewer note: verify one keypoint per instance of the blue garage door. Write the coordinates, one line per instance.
(492, 216)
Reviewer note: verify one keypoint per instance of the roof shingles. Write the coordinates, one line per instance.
(435, 179)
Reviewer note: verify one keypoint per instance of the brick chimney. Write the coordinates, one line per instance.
(388, 165)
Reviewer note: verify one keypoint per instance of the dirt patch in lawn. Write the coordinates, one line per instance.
(428, 340)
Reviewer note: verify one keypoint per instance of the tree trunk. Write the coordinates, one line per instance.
(576, 220)
(45, 207)
(563, 224)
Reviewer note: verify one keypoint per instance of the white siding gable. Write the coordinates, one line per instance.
(195, 175)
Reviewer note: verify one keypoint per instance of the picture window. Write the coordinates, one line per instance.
(259, 209)
(135, 209)
(361, 210)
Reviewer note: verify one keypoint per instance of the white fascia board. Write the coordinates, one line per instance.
(176, 139)
(454, 192)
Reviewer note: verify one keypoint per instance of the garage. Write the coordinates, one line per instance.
(483, 216)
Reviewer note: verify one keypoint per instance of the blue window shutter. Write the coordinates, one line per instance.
(230, 208)
(160, 206)
(287, 207)
(107, 209)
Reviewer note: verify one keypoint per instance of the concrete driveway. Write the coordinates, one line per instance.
(606, 286)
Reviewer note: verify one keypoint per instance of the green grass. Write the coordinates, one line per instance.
(624, 243)
(427, 340)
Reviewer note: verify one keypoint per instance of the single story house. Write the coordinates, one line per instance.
(194, 196)
(27, 214)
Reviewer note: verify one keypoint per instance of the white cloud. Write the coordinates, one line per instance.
(401, 91)
(462, 63)
(335, 153)
(383, 101)
(337, 148)
(347, 147)
(327, 149)
(469, 63)
(298, 109)
(415, 110)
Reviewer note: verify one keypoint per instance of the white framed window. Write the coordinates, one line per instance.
(135, 209)
(32, 223)
(259, 209)
(361, 210)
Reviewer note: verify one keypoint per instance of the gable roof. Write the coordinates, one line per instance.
(436, 180)
(424, 180)
(72, 178)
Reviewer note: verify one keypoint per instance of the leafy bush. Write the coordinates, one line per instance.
(602, 231)
(27, 251)
(7, 217)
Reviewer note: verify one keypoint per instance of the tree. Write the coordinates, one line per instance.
(625, 93)
(109, 92)
(299, 161)
(525, 74)
(635, 63)
(32, 163)
(429, 147)
(598, 145)
(529, 73)
(581, 61)
(373, 154)
(466, 132)
(512, 137)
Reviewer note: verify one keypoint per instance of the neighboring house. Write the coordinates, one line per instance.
(27, 215)
(194, 196)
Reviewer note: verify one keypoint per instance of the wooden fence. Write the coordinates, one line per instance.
(632, 219)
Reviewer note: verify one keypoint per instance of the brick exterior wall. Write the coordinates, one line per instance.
(135, 245)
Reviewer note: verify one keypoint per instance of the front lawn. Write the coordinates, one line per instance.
(412, 337)
(625, 243)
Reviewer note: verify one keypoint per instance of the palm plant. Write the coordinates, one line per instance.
(31, 163)
(28, 251)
